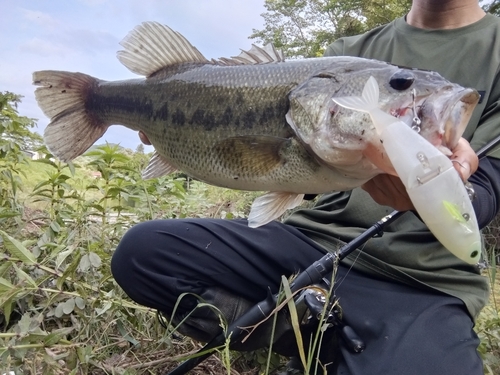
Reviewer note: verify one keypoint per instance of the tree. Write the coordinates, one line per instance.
(140, 149)
(491, 6)
(14, 129)
(304, 28)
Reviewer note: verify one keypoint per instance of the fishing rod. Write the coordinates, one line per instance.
(314, 274)
(483, 151)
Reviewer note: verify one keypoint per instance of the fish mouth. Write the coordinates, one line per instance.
(445, 115)
(458, 116)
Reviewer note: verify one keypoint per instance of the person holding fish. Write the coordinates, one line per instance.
(411, 300)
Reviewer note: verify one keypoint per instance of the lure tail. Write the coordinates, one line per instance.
(368, 102)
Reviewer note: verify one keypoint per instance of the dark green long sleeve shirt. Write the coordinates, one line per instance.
(408, 252)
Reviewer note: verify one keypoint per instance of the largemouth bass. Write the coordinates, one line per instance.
(251, 122)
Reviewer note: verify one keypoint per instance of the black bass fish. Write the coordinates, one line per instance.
(251, 122)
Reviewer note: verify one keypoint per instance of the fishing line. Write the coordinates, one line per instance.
(338, 284)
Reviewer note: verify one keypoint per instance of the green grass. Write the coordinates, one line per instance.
(110, 334)
(488, 327)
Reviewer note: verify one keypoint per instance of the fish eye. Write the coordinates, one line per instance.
(401, 80)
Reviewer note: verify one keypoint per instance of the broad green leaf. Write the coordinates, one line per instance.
(59, 311)
(5, 285)
(4, 267)
(84, 265)
(95, 260)
(107, 305)
(62, 256)
(80, 303)
(61, 192)
(8, 214)
(17, 249)
(52, 339)
(48, 162)
(7, 310)
(55, 227)
(71, 167)
(69, 271)
(41, 184)
(24, 276)
(69, 306)
(84, 353)
(24, 325)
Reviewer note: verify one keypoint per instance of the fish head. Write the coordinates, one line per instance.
(446, 114)
(344, 138)
(438, 109)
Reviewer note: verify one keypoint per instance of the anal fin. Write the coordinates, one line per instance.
(271, 206)
(158, 166)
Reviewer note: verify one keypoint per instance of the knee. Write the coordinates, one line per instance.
(133, 248)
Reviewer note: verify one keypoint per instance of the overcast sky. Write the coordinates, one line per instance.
(83, 36)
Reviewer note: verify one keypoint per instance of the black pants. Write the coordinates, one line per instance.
(406, 330)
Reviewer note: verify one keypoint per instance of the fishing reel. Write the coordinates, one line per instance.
(318, 313)
(307, 302)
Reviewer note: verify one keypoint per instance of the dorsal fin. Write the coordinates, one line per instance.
(256, 55)
(152, 46)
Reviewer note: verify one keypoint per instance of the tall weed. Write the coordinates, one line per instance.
(61, 310)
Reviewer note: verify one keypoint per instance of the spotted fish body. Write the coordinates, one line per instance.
(252, 122)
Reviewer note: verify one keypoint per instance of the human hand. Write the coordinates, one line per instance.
(144, 138)
(388, 190)
(464, 159)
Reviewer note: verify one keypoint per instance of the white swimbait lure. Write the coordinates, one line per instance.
(434, 187)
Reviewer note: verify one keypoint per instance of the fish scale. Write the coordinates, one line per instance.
(251, 122)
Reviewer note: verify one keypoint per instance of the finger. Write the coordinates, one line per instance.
(390, 186)
(388, 191)
(463, 168)
(464, 159)
(398, 186)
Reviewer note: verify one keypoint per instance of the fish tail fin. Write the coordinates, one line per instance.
(63, 96)
(367, 102)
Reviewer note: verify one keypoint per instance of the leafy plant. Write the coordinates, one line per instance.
(61, 311)
(304, 28)
(15, 141)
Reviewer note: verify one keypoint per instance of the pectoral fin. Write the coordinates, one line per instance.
(251, 155)
(271, 206)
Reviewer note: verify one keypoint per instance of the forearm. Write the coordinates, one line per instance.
(486, 183)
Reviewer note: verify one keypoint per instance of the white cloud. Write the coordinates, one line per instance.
(83, 36)
(43, 47)
(87, 40)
